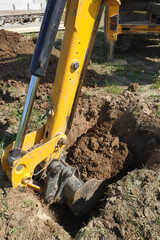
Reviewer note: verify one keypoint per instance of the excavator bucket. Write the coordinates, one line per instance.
(64, 185)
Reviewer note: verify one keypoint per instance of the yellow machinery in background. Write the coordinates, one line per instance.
(129, 17)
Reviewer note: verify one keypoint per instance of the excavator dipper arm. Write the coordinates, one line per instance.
(20, 159)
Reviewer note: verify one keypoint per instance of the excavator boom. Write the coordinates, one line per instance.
(20, 159)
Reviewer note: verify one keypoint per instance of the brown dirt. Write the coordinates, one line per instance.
(16, 53)
(24, 216)
(133, 87)
(118, 142)
(87, 112)
(132, 210)
(99, 154)
(110, 136)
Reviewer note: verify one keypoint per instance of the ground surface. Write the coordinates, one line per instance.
(115, 137)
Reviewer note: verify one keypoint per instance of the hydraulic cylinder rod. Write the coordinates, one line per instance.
(25, 117)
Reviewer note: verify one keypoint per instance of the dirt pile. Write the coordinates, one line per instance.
(86, 115)
(9, 42)
(99, 154)
(24, 216)
(123, 138)
(16, 53)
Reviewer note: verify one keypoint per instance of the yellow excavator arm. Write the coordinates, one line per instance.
(43, 148)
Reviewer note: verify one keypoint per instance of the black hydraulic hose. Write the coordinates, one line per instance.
(44, 45)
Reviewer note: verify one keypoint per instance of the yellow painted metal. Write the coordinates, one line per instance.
(113, 9)
(80, 21)
(130, 29)
(141, 12)
(22, 171)
(111, 35)
(81, 18)
(30, 140)
(112, 2)
(66, 13)
(89, 51)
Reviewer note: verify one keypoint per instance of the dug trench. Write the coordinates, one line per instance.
(110, 136)
(119, 142)
(116, 144)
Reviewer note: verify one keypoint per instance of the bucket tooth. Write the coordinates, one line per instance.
(86, 197)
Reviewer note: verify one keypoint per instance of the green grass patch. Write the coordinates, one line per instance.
(22, 59)
(14, 230)
(139, 231)
(141, 90)
(146, 79)
(32, 35)
(155, 85)
(27, 203)
(154, 96)
(1, 146)
(133, 76)
(36, 119)
(158, 113)
(4, 211)
(137, 110)
(17, 114)
(88, 94)
(113, 88)
(59, 38)
(90, 63)
(49, 99)
(157, 221)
